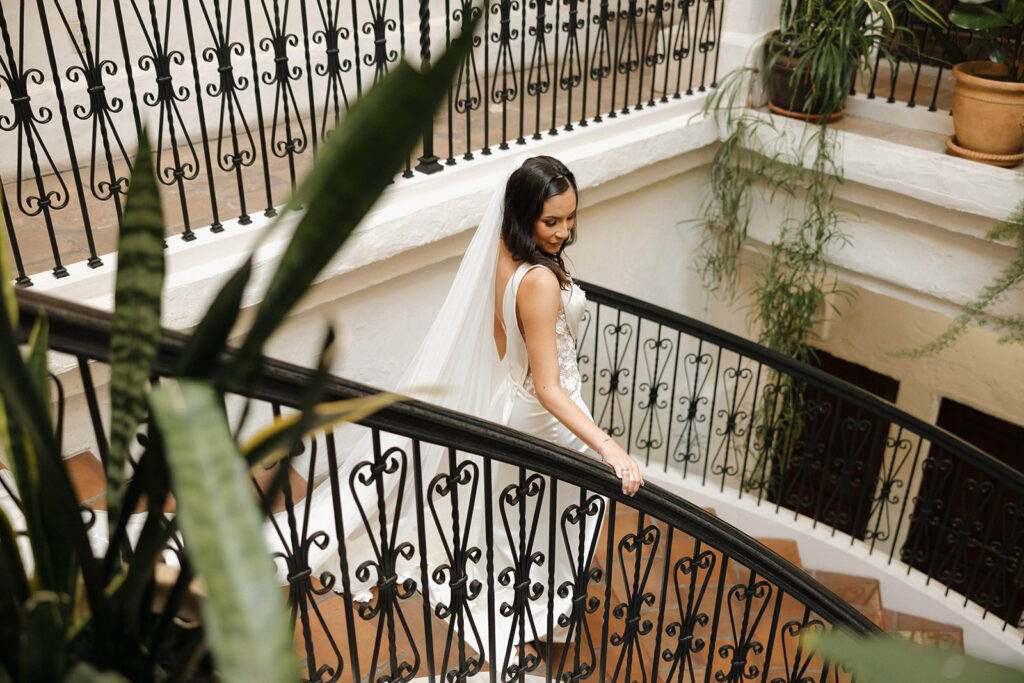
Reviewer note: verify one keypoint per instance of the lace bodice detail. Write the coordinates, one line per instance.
(568, 370)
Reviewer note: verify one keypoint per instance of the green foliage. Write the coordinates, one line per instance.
(221, 523)
(979, 311)
(47, 630)
(886, 659)
(136, 325)
(830, 42)
(995, 24)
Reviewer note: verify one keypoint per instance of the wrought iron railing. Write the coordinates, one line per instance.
(920, 74)
(665, 591)
(239, 94)
(693, 399)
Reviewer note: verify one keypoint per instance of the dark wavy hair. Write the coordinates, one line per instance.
(539, 178)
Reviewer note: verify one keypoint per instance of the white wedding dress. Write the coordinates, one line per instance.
(518, 407)
(538, 550)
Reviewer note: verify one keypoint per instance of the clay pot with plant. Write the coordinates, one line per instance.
(988, 97)
(811, 61)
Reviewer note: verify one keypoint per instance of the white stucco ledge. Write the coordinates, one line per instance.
(412, 214)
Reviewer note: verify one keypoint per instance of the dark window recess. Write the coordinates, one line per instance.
(829, 468)
(980, 550)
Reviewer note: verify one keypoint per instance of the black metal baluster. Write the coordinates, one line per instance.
(331, 36)
(355, 47)
(668, 45)
(672, 399)
(261, 124)
(602, 53)
(707, 40)
(468, 96)
(166, 99)
(231, 111)
(521, 140)
(588, 20)
(552, 558)
(694, 32)
(906, 499)
(618, 55)
(632, 388)
(485, 95)
(750, 431)
(504, 63)
(572, 66)
(307, 39)
(711, 418)
(554, 69)
(450, 161)
(421, 531)
(428, 162)
(286, 107)
(215, 225)
(720, 589)
(653, 56)
(346, 583)
(89, 389)
(91, 69)
(540, 68)
(94, 260)
(718, 42)
(22, 280)
(17, 79)
(608, 571)
(492, 647)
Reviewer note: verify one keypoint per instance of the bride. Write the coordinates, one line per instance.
(504, 342)
(537, 311)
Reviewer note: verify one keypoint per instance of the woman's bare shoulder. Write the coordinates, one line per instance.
(540, 282)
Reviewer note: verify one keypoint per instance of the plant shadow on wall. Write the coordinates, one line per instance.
(764, 161)
(67, 613)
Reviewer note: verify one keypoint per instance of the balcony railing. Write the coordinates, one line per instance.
(920, 74)
(666, 591)
(238, 95)
(706, 404)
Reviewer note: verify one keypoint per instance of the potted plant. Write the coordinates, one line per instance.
(988, 97)
(811, 61)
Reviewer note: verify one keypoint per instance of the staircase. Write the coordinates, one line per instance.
(744, 626)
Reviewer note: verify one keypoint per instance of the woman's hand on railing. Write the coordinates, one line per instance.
(623, 465)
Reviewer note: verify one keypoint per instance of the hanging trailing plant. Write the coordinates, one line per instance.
(979, 311)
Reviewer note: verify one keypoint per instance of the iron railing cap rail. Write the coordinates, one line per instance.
(84, 331)
(855, 395)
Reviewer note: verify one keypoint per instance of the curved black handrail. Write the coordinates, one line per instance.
(806, 373)
(85, 333)
(809, 442)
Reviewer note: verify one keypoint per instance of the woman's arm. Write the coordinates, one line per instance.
(537, 303)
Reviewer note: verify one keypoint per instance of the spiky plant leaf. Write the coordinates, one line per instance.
(272, 442)
(355, 165)
(13, 593)
(10, 301)
(42, 648)
(202, 353)
(885, 659)
(243, 614)
(928, 13)
(135, 332)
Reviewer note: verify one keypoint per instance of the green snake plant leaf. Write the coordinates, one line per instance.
(356, 164)
(244, 615)
(135, 332)
(886, 659)
(13, 593)
(210, 337)
(43, 651)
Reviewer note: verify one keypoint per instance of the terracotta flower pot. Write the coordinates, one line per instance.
(988, 109)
